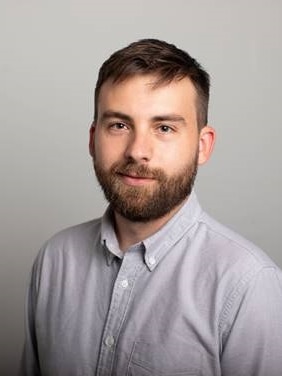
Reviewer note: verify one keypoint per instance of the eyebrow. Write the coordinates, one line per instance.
(169, 117)
(159, 118)
(116, 114)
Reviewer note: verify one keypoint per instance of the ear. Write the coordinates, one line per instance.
(92, 140)
(206, 144)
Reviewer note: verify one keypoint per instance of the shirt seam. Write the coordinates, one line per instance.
(249, 250)
(229, 302)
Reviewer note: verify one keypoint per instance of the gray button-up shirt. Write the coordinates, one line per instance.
(193, 299)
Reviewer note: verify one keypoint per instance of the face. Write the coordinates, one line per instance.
(146, 146)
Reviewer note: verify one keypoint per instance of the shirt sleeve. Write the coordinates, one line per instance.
(29, 365)
(253, 345)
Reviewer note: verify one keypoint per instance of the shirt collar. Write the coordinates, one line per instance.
(157, 245)
(108, 237)
(161, 242)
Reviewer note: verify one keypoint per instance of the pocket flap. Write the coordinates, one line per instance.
(169, 359)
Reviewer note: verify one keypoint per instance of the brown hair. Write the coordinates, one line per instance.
(166, 61)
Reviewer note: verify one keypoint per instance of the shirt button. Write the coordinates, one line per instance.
(109, 341)
(152, 261)
(124, 283)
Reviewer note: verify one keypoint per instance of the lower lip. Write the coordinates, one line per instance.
(129, 180)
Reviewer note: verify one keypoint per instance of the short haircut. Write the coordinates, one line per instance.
(166, 61)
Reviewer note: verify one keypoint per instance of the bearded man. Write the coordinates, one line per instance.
(155, 286)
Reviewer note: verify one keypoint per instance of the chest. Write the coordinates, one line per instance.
(124, 319)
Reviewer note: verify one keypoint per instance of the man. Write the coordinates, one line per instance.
(156, 286)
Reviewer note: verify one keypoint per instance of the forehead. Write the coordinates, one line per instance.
(146, 92)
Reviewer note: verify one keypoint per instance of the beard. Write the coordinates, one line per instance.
(145, 203)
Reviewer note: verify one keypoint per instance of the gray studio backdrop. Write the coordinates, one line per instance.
(50, 52)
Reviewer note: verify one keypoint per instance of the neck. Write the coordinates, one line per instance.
(129, 233)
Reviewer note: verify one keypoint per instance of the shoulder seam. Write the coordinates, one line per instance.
(249, 249)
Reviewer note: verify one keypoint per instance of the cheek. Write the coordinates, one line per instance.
(180, 154)
(105, 154)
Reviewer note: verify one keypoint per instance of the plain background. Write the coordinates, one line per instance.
(50, 52)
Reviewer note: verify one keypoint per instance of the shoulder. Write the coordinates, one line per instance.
(232, 264)
(241, 271)
(229, 246)
(71, 245)
(83, 232)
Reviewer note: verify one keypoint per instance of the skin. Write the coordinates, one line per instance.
(154, 126)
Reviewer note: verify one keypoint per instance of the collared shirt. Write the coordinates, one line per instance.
(193, 299)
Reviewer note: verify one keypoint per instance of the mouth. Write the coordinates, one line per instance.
(135, 180)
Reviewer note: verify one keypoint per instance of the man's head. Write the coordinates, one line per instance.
(149, 132)
(161, 59)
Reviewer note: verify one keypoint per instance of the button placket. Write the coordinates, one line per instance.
(128, 273)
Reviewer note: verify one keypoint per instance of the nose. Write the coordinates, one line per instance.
(139, 147)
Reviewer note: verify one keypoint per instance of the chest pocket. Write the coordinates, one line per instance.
(175, 359)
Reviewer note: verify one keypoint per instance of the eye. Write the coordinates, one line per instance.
(165, 129)
(118, 126)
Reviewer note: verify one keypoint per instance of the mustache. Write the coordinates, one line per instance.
(138, 170)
